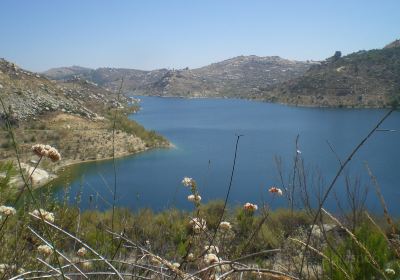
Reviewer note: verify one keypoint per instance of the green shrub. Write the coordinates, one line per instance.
(359, 265)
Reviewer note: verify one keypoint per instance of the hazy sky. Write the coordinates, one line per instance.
(149, 34)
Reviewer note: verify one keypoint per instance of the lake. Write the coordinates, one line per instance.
(204, 134)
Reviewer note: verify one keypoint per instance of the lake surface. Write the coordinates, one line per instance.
(204, 134)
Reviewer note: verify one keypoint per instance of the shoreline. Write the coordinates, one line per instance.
(317, 106)
(42, 177)
(71, 163)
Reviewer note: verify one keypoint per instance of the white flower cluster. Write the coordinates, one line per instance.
(250, 207)
(275, 190)
(188, 182)
(7, 210)
(198, 224)
(5, 267)
(225, 226)
(210, 259)
(87, 265)
(211, 249)
(390, 271)
(48, 216)
(81, 252)
(190, 257)
(45, 250)
(176, 264)
(194, 198)
(48, 151)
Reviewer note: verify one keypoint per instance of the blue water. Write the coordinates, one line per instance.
(204, 134)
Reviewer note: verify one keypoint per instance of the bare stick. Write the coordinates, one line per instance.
(83, 244)
(57, 251)
(113, 157)
(52, 268)
(229, 190)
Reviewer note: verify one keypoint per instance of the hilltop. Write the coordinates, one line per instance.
(361, 79)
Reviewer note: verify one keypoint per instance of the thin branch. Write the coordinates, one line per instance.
(57, 251)
(83, 244)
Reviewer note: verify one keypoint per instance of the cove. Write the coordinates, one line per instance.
(204, 134)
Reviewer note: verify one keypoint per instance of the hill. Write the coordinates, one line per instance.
(236, 77)
(362, 79)
(74, 115)
(108, 77)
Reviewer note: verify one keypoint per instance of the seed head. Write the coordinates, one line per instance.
(225, 226)
(45, 250)
(7, 210)
(81, 252)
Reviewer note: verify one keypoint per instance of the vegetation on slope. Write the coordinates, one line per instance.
(362, 79)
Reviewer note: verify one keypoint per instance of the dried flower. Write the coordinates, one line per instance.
(198, 224)
(225, 226)
(390, 271)
(20, 270)
(210, 259)
(39, 150)
(211, 249)
(46, 151)
(81, 252)
(48, 216)
(194, 198)
(250, 207)
(188, 182)
(3, 268)
(190, 257)
(275, 190)
(45, 250)
(7, 210)
(155, 260)
(53, 154)
(87, 265)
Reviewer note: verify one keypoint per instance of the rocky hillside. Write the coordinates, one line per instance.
(29, 94)
(108, 77)
(236, 77)
(362, 79)
(74, 115)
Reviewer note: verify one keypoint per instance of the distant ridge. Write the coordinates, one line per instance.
(233, 77)
(361, 79)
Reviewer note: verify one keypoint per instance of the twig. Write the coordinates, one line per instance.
(57, 251)
(228, 192)
(83, 244)
(52, 268)
(113, 157)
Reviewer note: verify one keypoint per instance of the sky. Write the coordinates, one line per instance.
(151, 34)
